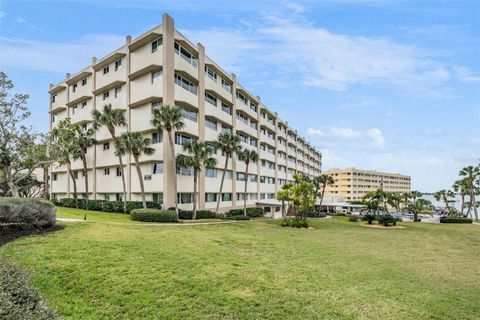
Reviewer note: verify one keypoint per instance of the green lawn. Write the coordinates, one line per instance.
(114, 268)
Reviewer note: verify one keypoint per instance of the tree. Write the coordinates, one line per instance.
(419, 206)
(247, 156)
(111, 119)
(461, 186)
(283, 195)
(17, 141)
(135, 144)
(169, 119)
(445, 195)
(303, 195)
(84, 140)
(321, 182)
(199, 156)
(375, 203)
(229, 144)
(472, 175)
(65, 148)
(394, 199)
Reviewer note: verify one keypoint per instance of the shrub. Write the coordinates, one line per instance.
(353, 218)
(340, 214)
(369, 217)
(386, 219)
(103, 205)
(255, 212)
(26, 213)
(238, 217)
(205, 214)
(18, 299)
(153, 215)
(294, 223)
(235, 212)
(455, 220)
(316, 214)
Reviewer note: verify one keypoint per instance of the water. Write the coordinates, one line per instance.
(456, 205)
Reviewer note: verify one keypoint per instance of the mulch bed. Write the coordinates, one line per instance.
(381, 226)
(7, 236)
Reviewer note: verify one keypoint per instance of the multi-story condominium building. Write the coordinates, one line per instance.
(163, 67)
(353, 183)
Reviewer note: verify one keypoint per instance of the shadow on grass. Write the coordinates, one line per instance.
(9, 235)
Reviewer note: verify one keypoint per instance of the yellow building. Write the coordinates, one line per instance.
(353, 183)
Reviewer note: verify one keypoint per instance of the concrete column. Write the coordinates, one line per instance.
(234, 123)
(128, 40)
(94, 100)
(67, 76)
(258, 148)
(201, 119)
(168, 32)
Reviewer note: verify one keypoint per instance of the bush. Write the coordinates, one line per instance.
(387, 219)
(106, 206)
(369, 217)
(455, 220)
(201, 214)
(18, 299)
(340, 214)
(316, 214)
(26, 213)
(294, 223)
(153, 215)
(255, 212)
(353, 218)
(238, 217)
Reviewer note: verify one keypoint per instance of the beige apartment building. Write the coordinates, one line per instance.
(163, 67)
(352, 183)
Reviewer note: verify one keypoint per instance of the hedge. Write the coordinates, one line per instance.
(153, 215)
(316, 214)
(103, 205)
(201, 214)
(255, 212)
(294, 223)
(18, 299)
(237, 217)
(26, 213)
(455, 220)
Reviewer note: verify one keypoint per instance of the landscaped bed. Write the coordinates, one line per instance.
(115, 268)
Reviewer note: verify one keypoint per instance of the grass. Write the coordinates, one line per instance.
(114, 268)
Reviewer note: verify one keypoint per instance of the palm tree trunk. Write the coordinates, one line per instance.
(245, 192)
(194, 214)
(462, 202)
(172, 150)
(283, 208)
(140, 180)
(473, 203)
(221, 184)
(69, 168)
(446, 204)
(124, 185)
(46, 185)
(321, 196)
(84, 159)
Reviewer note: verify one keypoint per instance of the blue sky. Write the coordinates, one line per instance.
(386, 85)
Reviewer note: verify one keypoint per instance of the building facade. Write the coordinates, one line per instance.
(353, 183)
(163, 67)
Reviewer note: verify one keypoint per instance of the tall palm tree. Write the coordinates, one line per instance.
(65, 148)
(199, 156)
(170, 119)
(418, 207)
(111, 119)
(461, 186)
(444, 195)
(247, 156)
(84, 140)
(283, 195)
(136, 144)
(321, 182)
(229, 144)
(471, 174)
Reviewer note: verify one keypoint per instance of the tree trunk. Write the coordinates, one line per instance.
(415, 217)
(194, 214)
(46, 185)
(446, 203)
(221, 184)
(172, 150)
(283, 208)
(140, 180)
(11, 185)
(84, 159)
(462, 202)
(124, 185)
(473, 203)
(74, 181)
(321, 196)
(245, 192)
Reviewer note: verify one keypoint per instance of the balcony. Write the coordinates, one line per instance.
(152, 182)
(217, 88)
(143, 91)
(186, 66)
(186, 93)
(83, 114)
(144, 59)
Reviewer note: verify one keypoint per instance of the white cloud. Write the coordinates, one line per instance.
(374, 135)
(465, 75)
(315, 132)
(344, 133)
(433, 131)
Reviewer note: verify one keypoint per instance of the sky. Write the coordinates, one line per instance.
(386, 85)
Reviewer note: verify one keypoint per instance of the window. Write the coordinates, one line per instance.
(106, 171)
(253, 106)
(268, 180)
(157, 197)
(210, 73)
(185, 54)
(118, 65)
(106, 146)
(210, 173)
(253, 125)
(156, 76)
(84, 104)
(54, 177)
(75, 175)
(185, 171)
(212, 124)
(242, 138)
(54, 98)
(119, 172)
(157, 168)
(252, 177)
(180, 139)
(74, 88)
(253, 196)
(188, 114)
(185, 84)
(226, 129)
(241, 196)
(156, 105)
(227, 86)
(210, 99)
(243, 118)
(156, 44)
(119, 197)
(157, 137)
(118, 92)
(253, 142)
(185, 198)
(226, 197)
(84, 81)
(210, 197)
(54, 117)
(106, 95)
(106, 197)
(106, 70)
(241, 176)
(74, 109)
(242, 98)
(226, 108)
(228, 175)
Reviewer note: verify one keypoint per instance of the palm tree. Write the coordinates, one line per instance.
(229, 144)
(111, 118)
(419, 206)
(444, 195)
(84, 140)
(283, 195)
(247, 156)
(321, 182)
(170, 119)
(200, 156)
(471, 174)
(65, 148)
(135, 144)
(461, 186)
